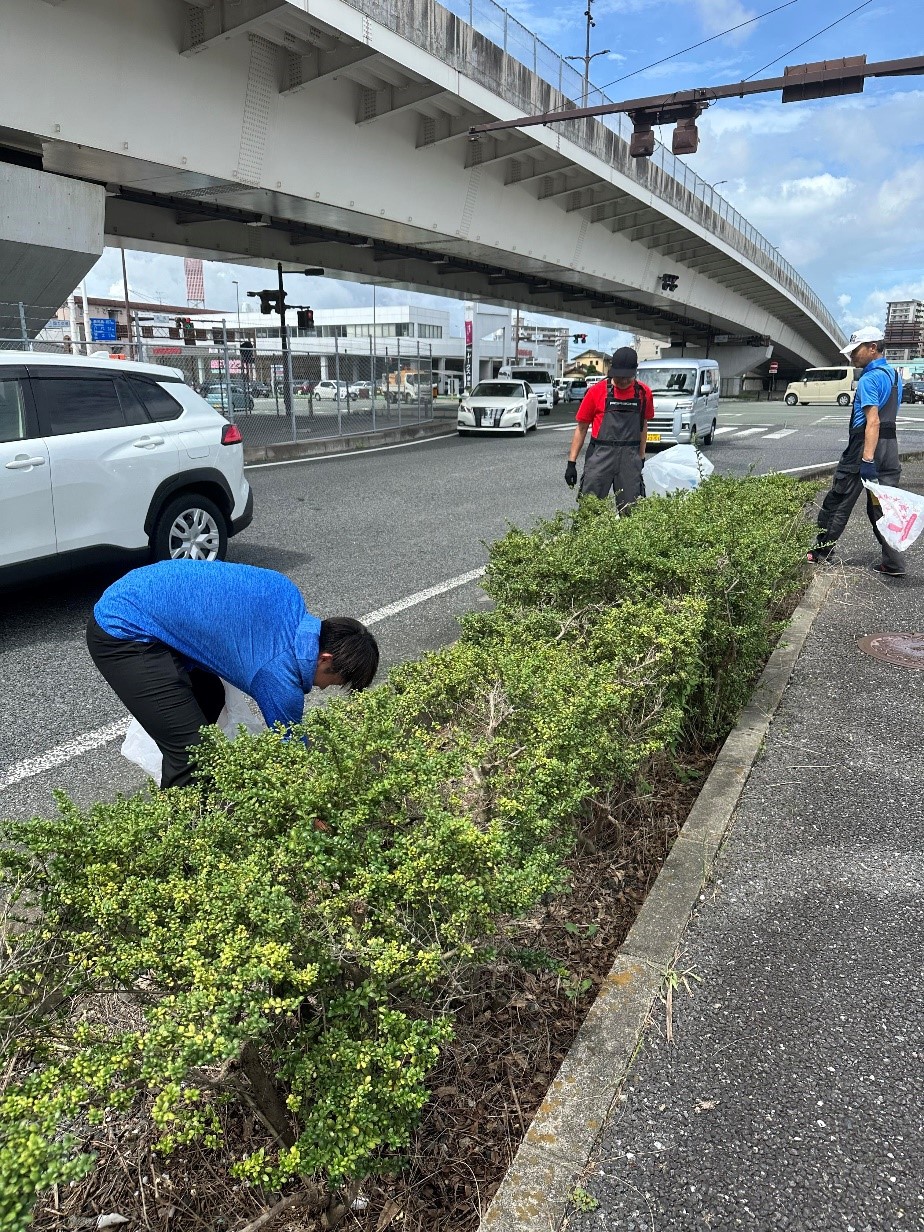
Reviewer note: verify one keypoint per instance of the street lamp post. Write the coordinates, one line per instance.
(237, 297)
(587, 57)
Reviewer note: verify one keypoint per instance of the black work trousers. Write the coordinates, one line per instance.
(845, 491)
(171, 703)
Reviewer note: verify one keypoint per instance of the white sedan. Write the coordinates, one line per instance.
(498, 406)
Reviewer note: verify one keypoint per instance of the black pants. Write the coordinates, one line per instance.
(846, 490)
(171, 703)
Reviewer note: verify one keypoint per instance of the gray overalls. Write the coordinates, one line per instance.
(613, 461)
(847, 485)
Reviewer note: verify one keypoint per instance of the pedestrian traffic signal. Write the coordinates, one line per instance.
(582, 338)
(305, 318)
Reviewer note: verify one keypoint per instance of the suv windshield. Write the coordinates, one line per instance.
(669, 380)
(497, 389)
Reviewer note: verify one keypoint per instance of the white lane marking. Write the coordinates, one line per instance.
(63, 752)
(778, 436)
(347, 453)
(797, 470)
(722, 431)
(401, 605)
(113, 731)
(754, 431)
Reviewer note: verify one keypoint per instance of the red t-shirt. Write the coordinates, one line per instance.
(593, 404)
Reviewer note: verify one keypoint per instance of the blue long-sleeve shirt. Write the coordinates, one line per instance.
(248, 625)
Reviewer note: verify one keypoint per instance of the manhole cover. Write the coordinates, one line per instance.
(902, 649)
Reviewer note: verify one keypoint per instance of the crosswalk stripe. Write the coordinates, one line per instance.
(722, 431)
(753, 431)
(778, 436)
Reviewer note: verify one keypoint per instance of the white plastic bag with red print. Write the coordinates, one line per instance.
(902, 514)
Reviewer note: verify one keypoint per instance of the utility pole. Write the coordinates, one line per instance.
(587, 57)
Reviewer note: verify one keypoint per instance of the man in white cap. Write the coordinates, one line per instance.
(872, 449)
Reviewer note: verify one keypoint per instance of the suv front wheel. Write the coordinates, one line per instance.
(190, 527)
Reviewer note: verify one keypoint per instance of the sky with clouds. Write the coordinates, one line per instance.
(837, 185)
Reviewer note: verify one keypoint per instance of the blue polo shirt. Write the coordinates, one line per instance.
(247, 625)
(873, 389)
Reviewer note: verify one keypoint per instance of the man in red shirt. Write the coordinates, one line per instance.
(617, 411)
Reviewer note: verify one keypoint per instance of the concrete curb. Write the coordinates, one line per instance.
(534, 1195)
(288, 451)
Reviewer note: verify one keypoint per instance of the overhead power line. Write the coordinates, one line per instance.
(702, 43)
(783, 55)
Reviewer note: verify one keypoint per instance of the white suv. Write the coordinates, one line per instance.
(100, 457)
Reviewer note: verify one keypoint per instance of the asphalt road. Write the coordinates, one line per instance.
(357, 533)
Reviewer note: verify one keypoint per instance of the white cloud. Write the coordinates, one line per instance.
(719, 15)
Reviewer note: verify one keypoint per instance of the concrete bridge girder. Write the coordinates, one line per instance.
(284, 161)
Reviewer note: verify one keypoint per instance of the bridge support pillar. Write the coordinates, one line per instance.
(733, 361)
(51, 235)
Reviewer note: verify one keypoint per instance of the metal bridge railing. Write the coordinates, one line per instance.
(424, 23)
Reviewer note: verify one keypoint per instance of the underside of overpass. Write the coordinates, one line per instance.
(335, 135)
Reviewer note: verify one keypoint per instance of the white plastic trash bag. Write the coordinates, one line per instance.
(239, 711)
(902, 514)
(678, 469)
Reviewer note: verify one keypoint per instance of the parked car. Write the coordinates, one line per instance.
(361, 389)
(260, 389)
(912, 391)
(329, 389)
(216, 394)
(100, 459)
(498, 406)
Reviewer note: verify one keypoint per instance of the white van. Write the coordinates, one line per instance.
(539, 379)
(828, 386)
(686, 400)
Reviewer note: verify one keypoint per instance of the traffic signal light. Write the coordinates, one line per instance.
(669, 282)
(187, 328)
(269, 301)
(685, 139)
(305, 318)
(582, 338)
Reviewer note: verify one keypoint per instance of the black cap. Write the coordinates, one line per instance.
(624, 360)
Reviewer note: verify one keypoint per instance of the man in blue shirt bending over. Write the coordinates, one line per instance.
(165, 634)
(871, 453)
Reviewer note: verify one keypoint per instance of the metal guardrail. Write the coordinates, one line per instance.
(665, 175)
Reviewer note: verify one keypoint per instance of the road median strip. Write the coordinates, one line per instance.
(535, 1192)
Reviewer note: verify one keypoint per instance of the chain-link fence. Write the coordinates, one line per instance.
(336, 387)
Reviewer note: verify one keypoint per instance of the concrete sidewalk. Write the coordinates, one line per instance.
(791, 1095)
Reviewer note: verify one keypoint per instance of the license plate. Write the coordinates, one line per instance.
(654, 436)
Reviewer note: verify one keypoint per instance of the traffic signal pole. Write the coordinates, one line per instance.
(286, 353)
(799, 83)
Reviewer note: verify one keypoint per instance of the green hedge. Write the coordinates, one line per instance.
(288, 937)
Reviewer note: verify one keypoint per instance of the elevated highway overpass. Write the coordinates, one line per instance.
(334, 134)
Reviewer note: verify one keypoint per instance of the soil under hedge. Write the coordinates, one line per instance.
(513, 1030)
